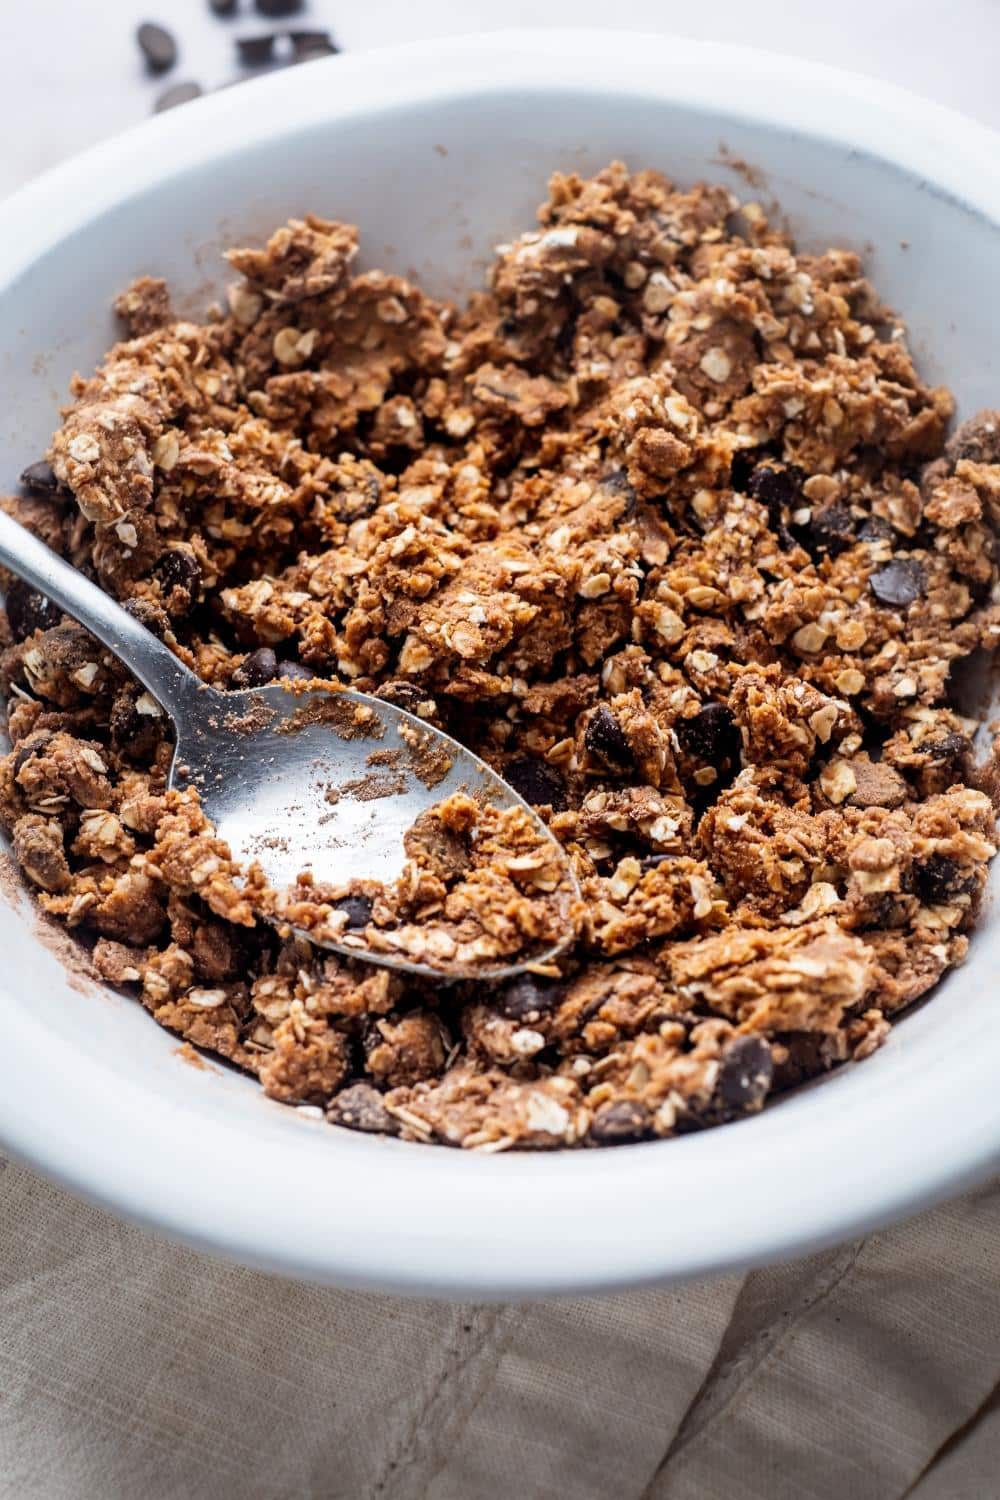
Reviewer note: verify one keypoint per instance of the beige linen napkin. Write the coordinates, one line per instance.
(133, 1367)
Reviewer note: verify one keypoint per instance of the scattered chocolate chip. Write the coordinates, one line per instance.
(260, 667)
(620, 1122)
(876, 529)
(899, 583)
(149, 614)
(605, 738)
(361, 1107)
(275, 10)
(294, 671)
(526, 998)
(745, 1075)
(178, 569)
(41, 478)
(256, 51)
(939, 879)
(157, 46)
(742, 465)
(29, 747)
(711, 734)
(178, 93)
(222, 7)
(28, 610)
(829, 531)
(535, 781)
(309, 44)
(358, 909)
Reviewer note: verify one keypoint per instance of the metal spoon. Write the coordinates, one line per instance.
(265, 761)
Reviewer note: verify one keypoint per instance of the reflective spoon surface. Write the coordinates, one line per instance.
(264, 760)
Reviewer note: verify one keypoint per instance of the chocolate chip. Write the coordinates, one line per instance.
(775, 485)
(939, 879)
(294, 671)
(274, 10)
(361, 1107)
(829, 531)
(41, 478)
(133, 733)
(309, 44)
(742, 465)
(953, 749)
(526, 998)
(178, 569)
(620, 1122)
(222, 7)
(876, 529)
(255, 670)
(28, 610)
(711, 734)
(899, 583)
(157, 46)
(605, 738)
(358, 909)
(256, 51)
(178, 93)
(148, 614)
(535, 781)
(29, 747)
(746, 1073)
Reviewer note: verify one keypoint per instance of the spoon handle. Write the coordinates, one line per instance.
(157, 668)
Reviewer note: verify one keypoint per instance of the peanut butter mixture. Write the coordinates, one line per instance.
(663, 524)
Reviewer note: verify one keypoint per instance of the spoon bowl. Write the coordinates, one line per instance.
(296, 777)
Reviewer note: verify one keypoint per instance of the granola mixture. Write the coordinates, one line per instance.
(665, 526)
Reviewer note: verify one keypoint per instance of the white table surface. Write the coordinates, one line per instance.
(72, 73)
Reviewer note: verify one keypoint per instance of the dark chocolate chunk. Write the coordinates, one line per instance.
(256, 51)
(358, 909)
(899, 583)
(361, 1107)
(535, 781)
(829, 531)
(876, 529)
(605, 738)
(178, 569)
(134, 734)
(527, 997)
(28, 610)
(745, 1075)
(294, 671)
(148, 614)
(309, 44)
(775, 485)
(29, 747)
(743, 463)
(41, 478)
(275, 10)
(157, 46)
(939, 879)
(223, 7)
(254, 671)
(618, 1123)
(952, 749)
(178, 93)
(711, 734)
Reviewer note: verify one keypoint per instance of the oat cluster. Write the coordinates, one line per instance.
(664, 525)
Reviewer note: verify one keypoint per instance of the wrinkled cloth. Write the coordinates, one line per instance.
(134, 1367)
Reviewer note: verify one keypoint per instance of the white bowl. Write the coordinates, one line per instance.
(439, 151)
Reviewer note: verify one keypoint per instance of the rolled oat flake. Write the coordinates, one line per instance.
(157, 46)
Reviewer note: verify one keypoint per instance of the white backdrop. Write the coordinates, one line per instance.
(72, 73)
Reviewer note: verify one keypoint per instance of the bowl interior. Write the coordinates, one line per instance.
(435, 176)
